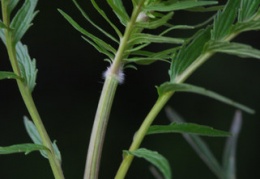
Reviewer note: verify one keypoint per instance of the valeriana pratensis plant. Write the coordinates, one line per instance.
(183, 54)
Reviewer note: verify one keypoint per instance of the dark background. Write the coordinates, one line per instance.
(69, 84)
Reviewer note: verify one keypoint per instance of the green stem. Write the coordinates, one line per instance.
(160, 103)
(139, 136)
(99, 127)
(112, 79)
(27, 97)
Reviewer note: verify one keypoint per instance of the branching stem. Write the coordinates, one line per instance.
(27, 97)
(106, 100)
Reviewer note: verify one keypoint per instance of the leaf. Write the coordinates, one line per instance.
(103, 14)
(97, 42)
(246, 26)
(35, 136)
(8, 75)
(224, 20)
(199, 146)
(189, 53)
(94, 24)
(11, 5)
(206, 9)
(229, 156)
(247, 9)
(154, 158)
(168, 87)
(27, 65)
(145, 57)
(22, 148)
(119, 9)
(232, 48)
(56, 150)
(188, 128)
(2, 25)
(172, 5)
(22, 20)
(141, 38)
(155, 23)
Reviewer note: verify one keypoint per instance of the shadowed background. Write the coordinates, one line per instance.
(69, 84)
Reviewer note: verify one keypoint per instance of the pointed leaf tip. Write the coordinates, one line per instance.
(154, 158)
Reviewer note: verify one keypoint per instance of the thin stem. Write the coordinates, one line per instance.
(106, 100)
(157, 108)
(27, 97)
(139, 136)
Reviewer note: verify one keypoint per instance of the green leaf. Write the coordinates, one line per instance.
(188, 128)
(12, 4)
(94, 24)
(141, 38)
(229, 156)
(247, 9)
(172, 5)
(56, 150)
(143, 60)
(189, 53)
(103, 14)
(98, 43)
(199, 146)
(2, 25)
(21, 148)
(119, 9)
(155, 23)
(232, 48)
(206, 9)
(35, 136)
(224, 20)
(22, 20)
(146, 57)
(27, 65)
(246, 26)
(154, 158)
(168, 87)
(8, 75)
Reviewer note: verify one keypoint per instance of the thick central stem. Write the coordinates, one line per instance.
(99, 127)
(112, 78)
